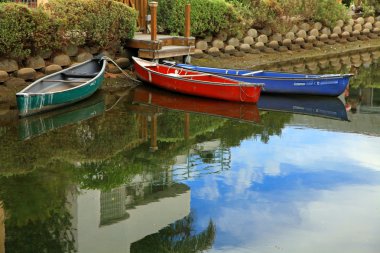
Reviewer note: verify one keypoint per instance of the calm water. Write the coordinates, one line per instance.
(149, 171)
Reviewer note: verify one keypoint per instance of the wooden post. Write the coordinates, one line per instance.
(187, 20)
(2, 229)
(187, 126)
(144, 12)
(153, 134)
(153, 23)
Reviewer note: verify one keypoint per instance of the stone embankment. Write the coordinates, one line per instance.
(302, 36)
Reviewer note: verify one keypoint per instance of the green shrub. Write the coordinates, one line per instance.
(279, 13)
(207, 17)
(24, 30)
(103, 23)
(15, 29)
(93, 23)
(329, 11)
(45, 31)
(372, 4)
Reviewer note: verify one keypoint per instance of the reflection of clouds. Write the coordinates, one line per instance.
(306, 150)
(306, 191)
(312, 150)
(272, 168)
(209, 191)
(344, 220)
(241, 180)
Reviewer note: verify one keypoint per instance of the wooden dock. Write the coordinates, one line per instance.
(157, 46)
(164, 46)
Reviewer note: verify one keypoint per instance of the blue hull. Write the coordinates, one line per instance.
(284, 83)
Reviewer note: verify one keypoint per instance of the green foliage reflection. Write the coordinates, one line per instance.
(35, 205)
(177, 237)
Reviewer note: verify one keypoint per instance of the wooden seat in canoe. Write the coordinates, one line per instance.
(75, 74)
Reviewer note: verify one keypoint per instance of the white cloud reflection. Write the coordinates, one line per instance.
(335, 221)
(311, 149)
(336, 216)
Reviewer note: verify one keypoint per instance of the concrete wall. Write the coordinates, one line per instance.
(118, 237)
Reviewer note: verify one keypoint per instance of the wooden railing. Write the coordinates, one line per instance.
(142, 7)
(153, 11)
(30, 3)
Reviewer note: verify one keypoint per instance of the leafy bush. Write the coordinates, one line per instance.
(329, 11)
(93, 23)
(373, 4)
(280, 14)
(24, 30)
(207, 17)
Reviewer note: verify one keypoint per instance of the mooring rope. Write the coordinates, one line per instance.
(118, 100)
(122, 71)
(241, 85)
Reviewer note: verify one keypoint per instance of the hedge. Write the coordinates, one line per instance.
(94, 22)
(102, 23)
(207, 17)
(23, 30)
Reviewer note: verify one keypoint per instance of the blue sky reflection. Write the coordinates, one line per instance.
(306, 191)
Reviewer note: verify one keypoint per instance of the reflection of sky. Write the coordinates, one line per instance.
(306, 191)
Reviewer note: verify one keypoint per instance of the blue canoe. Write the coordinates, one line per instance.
(281, 82)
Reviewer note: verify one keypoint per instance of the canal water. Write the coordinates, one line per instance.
(143, 170)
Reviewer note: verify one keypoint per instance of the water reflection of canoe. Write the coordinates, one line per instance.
(163, 99)
(38, 124)
(327, 107)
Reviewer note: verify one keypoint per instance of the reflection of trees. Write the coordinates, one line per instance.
(121, 168)
(367, 77)
(233, 133)
(37, 218)
(103, 153)
(95, 139)
(171, 125)
(177, 237)
(51, 235)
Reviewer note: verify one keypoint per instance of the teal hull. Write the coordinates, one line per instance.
(31, 100)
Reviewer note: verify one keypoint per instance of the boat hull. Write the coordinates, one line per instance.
(284, 83)
(29, 103)
(210, 86)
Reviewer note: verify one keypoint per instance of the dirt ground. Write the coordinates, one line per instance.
(265, 60)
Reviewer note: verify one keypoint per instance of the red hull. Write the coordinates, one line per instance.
(196, 83)
(159, 98)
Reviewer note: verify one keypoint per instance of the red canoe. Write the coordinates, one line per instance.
(164, 99)
(196, 83)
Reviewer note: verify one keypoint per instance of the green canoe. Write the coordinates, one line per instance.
(61, 88)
